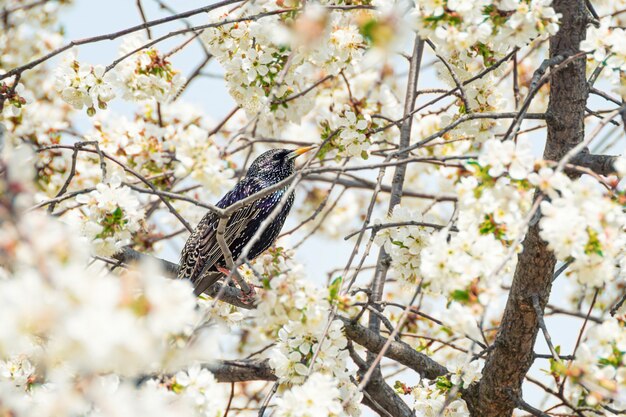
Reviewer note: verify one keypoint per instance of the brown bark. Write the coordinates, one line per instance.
(497, 393)
(600, 164)
(242, 370)
(400, 352)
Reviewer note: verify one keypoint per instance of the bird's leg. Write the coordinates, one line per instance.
(223, 270)
(246, 297)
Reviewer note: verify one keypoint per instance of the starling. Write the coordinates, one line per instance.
(202, 260)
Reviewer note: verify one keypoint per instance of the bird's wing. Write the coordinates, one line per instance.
(191, 253)
(204, 250)
(208, 244)
(210, 251)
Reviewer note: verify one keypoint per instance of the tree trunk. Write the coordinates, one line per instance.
(497, 393)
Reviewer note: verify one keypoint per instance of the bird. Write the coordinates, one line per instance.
(202, 261)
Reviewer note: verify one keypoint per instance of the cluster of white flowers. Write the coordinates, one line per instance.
(289, 294)
(475, 256)
(254, 56)
(464, 24)
(147, 74)
(179, 142)
(607, 44)
(64, 322)
(430, 401)
(515, 158)
(343, 46)
(404, 243)
(491, 212)
(294, 314)
(267, 62)
(350, 115)
(492, 204)
(496, 196)
(598, 374)
(318, 396)
(201, 387)
(33, 110)
(297, 312)
(142, 76)
(18, 370)
(112, 214)
(29, 32)
(58, 349)
(595, 246)
(83, 85)
(39, 120)
(436, 398)
(352, 140)
(296, 348)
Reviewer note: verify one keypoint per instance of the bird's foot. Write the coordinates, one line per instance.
(248, 298)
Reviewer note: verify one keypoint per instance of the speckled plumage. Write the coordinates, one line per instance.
(202, 255)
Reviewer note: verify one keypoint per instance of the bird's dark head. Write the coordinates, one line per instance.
(276, 165)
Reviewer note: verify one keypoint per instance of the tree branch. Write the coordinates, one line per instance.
(386, 398)
(600, 164)
(397, 183)
(242, 370)
(398, 351)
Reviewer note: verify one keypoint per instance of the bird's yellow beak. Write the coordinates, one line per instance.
(296, 153)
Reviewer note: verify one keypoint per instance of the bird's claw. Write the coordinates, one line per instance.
(248, 298)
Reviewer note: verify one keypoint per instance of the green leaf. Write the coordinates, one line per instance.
(555, 367)
(266, 283)
(367, 30)
(117, 213)
(461, 295)
(443, 383)
(334, 287)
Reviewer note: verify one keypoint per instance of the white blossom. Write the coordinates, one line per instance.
(82, 85)
(201, 387)
(596, 243)
(112, 215)
(147, 74)
(317, 397)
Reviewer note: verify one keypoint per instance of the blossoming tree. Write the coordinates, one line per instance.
(463, 156)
